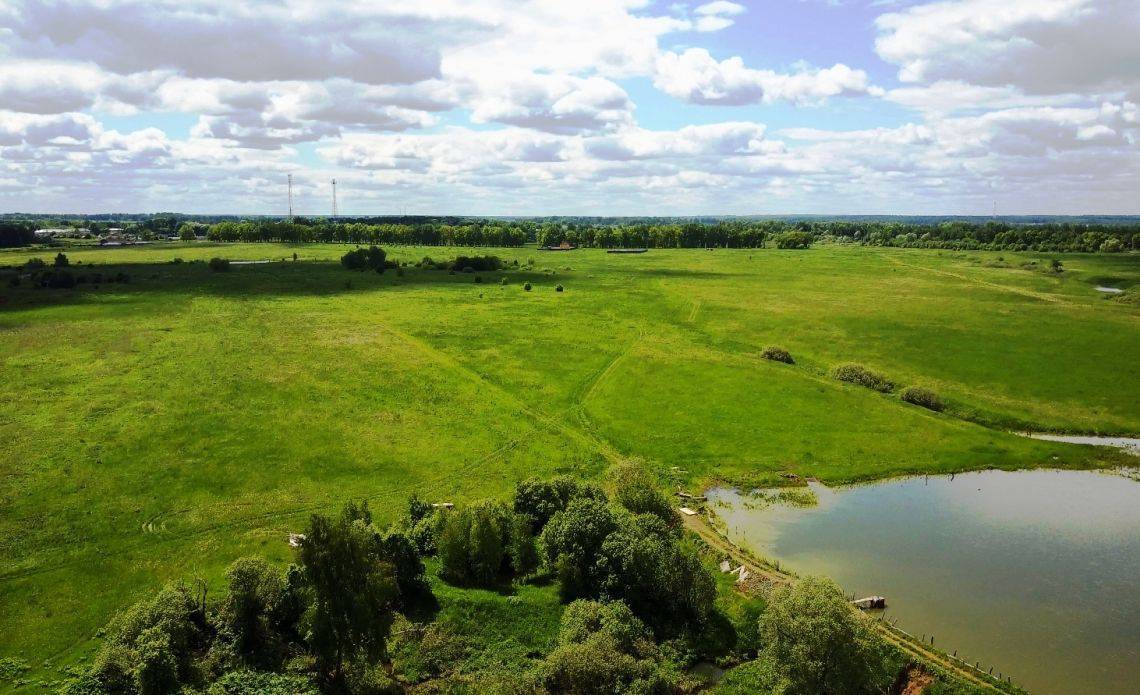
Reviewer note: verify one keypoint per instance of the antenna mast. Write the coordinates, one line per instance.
(334, 198)
(290, 197)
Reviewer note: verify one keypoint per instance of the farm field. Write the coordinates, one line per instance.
(161, 428)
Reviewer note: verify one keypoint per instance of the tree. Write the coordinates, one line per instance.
(188, 232)
(816, 642)
(474, 544)
(637, 491)
(572, 543)
(523, 550)
(662, 581)
(61, 260)
(261, 607)
(354, 588)
(539, 500)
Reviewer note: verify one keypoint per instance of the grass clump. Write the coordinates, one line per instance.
(923, 397)
(558, 288)
(777, 354)
(219, 265)
(526, 287)
(858, 374)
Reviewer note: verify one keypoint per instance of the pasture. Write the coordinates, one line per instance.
(160, 428)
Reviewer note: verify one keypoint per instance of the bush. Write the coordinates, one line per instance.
(35, 264)
(777, 354)
(858, 374)
(526, 287)
(470, 264)
(636, 490)
(478, 280)
(474, 544)
(923, 397)
(61, 279)
(502, 281)
(219, 265)
(558, 288)
(793, 240)
(538, 500)
(256, 683)
(61, 261)
(371, 258)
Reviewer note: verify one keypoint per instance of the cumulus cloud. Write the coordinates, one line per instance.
(695, 76)
(1039, 46)
(471, 106)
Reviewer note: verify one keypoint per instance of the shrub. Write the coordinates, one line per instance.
(219, 265)
(558, 288)
(470, 264)
(793, 240)
(815, 641)
(526, 287)
(538, 500)
(257, 683)
(61, 261)
(636, 490)
(478, 280)
(923, 397)
(34, 264)
(474, 544)
(371, 258)
(176, 261)
(777, 354)
(61, 279)
(502, 281)
(858, 374)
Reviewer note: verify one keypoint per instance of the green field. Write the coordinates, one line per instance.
(161, 428)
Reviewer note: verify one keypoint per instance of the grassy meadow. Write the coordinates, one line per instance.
(161, 428)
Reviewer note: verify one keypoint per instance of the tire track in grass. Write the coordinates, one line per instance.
(1032, 294)
(263, 520)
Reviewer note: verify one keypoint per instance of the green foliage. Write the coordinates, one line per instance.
(219, 265)
(816, 643)
(474, 544)
(777, 354)
(793, 240)
(261, 608)
(663, 581)
(259, 683)
(571, 544)
(637, 491)
(157, 665)
(470, 264)
(558, 288)
(188, 231)
(584, 619)
(156, 639)
(354, 587)
(858, 374)
(398, 549)
(61, 260)
(922, 397)
(526, 287)
(34, 264)
(371, 258)
(538, 500)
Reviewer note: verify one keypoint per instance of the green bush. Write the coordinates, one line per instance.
(371, 258)
(858, 374)
(777, 354)
(219, 265)
(478, 279)
(558, 288)
(526, 287)
(257, 683)
(61, 261)
(502, 281)
(793, 240)
(61, 279)
(474, 263)
(538, 500)
(923, 397)
(34, 264)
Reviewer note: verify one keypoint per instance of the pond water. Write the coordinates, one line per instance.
(1128, 444)
(1035, 572)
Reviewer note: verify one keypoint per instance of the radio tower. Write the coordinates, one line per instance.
(334, 198)
(290, 197)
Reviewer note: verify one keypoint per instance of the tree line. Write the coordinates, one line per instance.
(1082, 235)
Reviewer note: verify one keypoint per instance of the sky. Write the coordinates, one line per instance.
(571, 107)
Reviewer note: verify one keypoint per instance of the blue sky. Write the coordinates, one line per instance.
(589, 107)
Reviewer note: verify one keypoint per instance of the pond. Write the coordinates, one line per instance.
(1034, 572)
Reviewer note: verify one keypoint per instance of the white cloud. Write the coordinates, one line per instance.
(1039, 46)
(697, 77)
